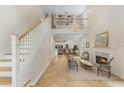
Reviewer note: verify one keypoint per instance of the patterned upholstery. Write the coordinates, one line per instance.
(85, 56)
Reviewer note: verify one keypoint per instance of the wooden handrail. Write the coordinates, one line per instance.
(31, 29)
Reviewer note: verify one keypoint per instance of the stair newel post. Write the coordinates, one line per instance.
(15, 59)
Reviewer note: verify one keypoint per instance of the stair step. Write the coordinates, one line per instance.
(5, 73)
(5, 64)
(5, 60)
(8, 54)
(6, 57)
(5, 81)
(5, 68)
(6, 85)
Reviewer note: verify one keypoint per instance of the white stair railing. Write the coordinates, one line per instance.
(22, 48)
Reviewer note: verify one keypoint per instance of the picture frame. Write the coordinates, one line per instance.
(101, 40)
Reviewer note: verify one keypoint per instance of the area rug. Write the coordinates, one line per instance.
(83, 74)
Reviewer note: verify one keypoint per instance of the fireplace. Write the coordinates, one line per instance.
(101, 56)
(98, 59)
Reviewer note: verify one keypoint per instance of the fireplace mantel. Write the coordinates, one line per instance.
(105, 55)
(105, 52)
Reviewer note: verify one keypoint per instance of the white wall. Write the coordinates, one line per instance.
(41, 59)
(111, 19)
(53, 50)
(17, 19)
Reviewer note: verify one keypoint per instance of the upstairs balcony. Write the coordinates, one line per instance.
(69, 23)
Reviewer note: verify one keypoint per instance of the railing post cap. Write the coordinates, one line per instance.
(14, 35)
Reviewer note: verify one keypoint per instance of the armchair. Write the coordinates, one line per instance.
(105, 67)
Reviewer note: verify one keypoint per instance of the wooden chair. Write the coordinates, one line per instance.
(105, 67)
(72, 63)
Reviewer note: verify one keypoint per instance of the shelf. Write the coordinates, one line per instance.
(67, 20)
(102, 47)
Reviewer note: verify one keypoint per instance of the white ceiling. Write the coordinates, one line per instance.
(61, 9)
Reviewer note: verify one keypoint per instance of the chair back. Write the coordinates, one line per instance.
(107, 65)
(85, 55)
(111, 60)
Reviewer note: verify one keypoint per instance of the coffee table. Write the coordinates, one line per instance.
(86, 64)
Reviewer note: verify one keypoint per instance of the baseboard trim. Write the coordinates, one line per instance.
(120, 76)
(27, 83)
(53, 58)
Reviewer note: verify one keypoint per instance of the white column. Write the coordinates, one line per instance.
(15, 59)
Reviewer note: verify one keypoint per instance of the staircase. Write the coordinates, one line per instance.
(13, 64)
(6, 70)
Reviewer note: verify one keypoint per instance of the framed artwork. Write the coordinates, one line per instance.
(101, 40)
